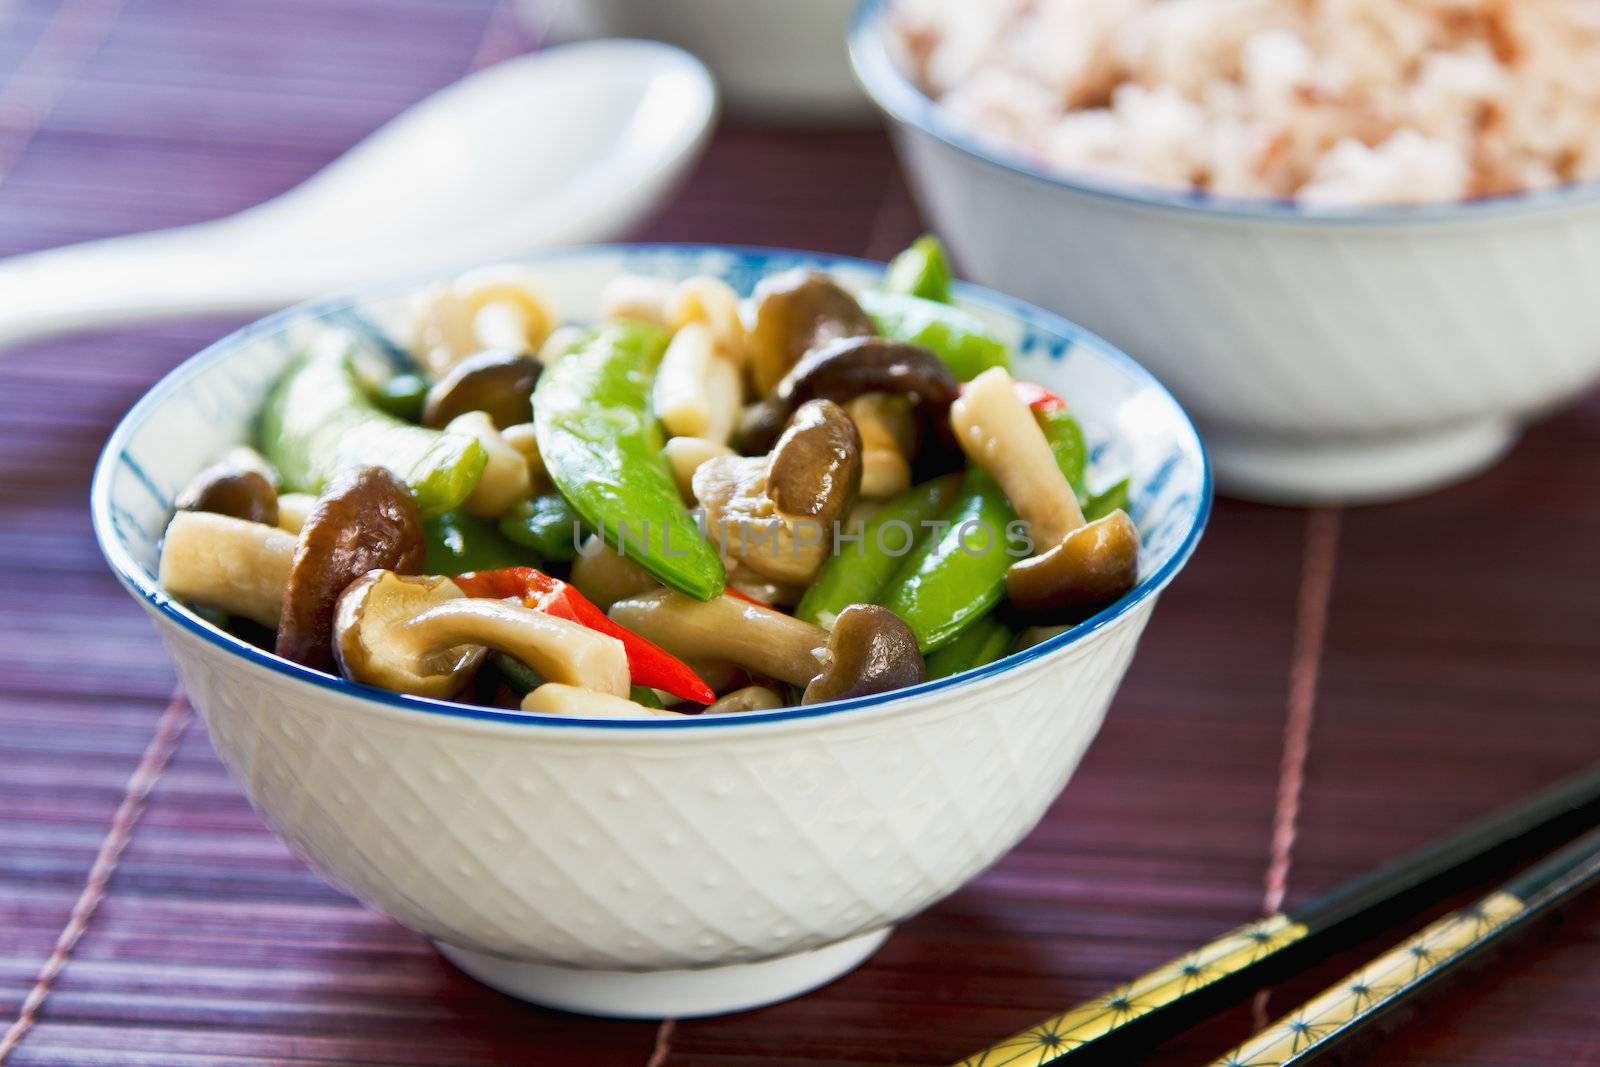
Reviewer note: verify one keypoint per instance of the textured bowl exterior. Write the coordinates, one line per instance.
(1268, 327)
(652, 845)
(655, 850)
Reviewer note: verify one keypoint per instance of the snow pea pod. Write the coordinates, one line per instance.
(319, 420)
(859, 569)
(957, 577)
(547, 524)
(602, 449)
(1102, 504)
(1067, 442)
(983, 642)
(922, 270)
(958, 337)
(458, 542)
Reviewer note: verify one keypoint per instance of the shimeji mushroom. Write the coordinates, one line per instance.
(506, 478)
(774, 513)
(239, 494)
(888, 437)
(1077, 565)
(750, 698)
(554, 698)
(849, 368)
(230, 564)
(710, 302)
(422, 635)
(698, 388)
(364, 520)
(496, 382)
(868, 651)
(795, 312)
(605, 575)
(685, 455)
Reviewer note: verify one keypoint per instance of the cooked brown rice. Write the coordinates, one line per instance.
(1326, 101)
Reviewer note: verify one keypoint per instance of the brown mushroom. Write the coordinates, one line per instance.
(870, 650)
(849, 368)
(366, 619)
(1078, 566)
(774, 513)
(419, 635)
(795, 312)
(228, 488)
(365, 519)
(605, 575)
(750, 698)
(498, 383)
(759, 639)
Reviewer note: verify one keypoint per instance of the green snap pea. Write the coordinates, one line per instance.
(643, 694)
(458, 542)
(1102, 504)
(922, 270)
(402, 396)
(522, 678)
(547, 524)
(956, 578)
(859, 569)
(318, 420)
(1067, 442)
(983, 642)
(966, 345)
(602, 448)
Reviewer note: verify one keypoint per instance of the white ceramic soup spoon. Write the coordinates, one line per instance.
(566, 146)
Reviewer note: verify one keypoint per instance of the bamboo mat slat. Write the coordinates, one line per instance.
(1459, 667)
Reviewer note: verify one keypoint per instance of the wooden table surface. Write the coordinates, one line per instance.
(1318, 691)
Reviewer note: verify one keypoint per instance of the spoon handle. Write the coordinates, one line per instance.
(193, 270)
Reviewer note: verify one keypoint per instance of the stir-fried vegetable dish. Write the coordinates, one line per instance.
(698, 504)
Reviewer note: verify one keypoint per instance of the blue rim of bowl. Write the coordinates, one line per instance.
(144, 588)
(903, 101)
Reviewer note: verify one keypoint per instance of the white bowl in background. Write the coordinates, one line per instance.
(1352, 356)
(652, 868)
(776, 59)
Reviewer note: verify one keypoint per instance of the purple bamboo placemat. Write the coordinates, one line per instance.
(1318, 692)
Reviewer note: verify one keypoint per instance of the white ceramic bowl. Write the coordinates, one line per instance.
(1351, 356)
(775, 59)
(652, 868)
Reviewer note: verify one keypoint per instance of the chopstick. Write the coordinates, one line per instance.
(1358, 1003)
(1179, 993)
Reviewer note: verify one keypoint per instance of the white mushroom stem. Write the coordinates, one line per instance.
(885, 425)
(553, 698)
(759, 639)
(558, 650)
(697, 390)
(712, 303)
(293, 509)
(524, 439)
(685, 454)
(505, 478)
(235, 566)
(635, 296)
(998, 433)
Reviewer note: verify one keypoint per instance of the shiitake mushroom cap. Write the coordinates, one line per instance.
(366, 519)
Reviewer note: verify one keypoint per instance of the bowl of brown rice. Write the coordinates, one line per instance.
(1359, 238)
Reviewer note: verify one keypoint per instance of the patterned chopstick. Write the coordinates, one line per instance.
(1360, 1001)
(1178, 994)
